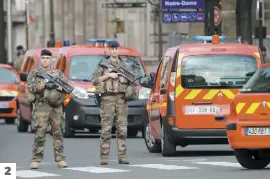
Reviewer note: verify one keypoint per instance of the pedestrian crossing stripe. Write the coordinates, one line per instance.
(104, 170)
(163, 166)
(34, 174)
(92, 169)
(226, 164)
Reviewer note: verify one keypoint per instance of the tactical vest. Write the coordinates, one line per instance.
(117, 85)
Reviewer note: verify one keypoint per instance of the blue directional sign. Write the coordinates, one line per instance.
(183, 4)
(180, 17)
(167, 17)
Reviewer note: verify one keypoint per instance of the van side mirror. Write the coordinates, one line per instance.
(153, 76)
(23, 76)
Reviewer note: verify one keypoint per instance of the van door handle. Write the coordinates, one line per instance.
(202, 103)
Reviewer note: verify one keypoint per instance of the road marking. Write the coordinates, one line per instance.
(194, 160)
(227, 164)
(163, 166)
(98, 170)
(33, 174)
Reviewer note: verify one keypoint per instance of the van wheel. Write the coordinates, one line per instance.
(10, 120)
(150, 142)
(168, 148)
(249, 159)
(22, 125)
(67, 131)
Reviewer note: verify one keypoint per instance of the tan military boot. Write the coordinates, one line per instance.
(62, 164)
(123, 160)
(104, 161)
(34, 165)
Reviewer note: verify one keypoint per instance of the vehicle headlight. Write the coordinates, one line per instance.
(144, 93)
(80, 93)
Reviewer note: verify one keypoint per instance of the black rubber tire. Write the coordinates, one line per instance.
(156, 148)
(67, 131)
(247, 160)
(168, 148)
(9, 120)
(22, 125)
(132, 132)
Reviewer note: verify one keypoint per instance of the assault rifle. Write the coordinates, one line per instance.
(74, 91)
(57, 81)
(118, 69)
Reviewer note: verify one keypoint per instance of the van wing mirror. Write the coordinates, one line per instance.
(23, 76)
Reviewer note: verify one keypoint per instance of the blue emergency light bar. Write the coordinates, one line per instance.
(208, 38)
(99, 41)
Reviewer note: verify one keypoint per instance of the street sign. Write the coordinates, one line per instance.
(182, 17)
(217, 16)
(124, 5)
(183, 4)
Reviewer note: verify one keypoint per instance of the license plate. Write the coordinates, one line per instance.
(206, 110)
(3, 105)
(262, 131)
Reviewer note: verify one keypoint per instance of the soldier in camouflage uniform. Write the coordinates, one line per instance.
(47, 99)
(113, 89)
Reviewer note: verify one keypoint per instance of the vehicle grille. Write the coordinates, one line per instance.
(6, 98)
(6, 110)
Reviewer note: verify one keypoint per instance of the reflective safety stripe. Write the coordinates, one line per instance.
(8, 93)
(239, 107)
(228, 93)
(178, 91)
(211, 94)
(155, 106)
(252, 108)
(193, 94)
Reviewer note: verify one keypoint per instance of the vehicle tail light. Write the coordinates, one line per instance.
(172, 86)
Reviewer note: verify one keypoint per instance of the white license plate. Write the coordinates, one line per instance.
(3, 105)
(262, 131)
(206, 110)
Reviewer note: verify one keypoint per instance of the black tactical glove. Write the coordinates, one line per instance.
(50, 85)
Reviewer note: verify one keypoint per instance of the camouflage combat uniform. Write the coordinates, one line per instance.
(44, 114)
(113, 106)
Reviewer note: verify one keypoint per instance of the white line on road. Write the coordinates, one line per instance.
(163, 166)
(33, 174)
(98, 170)
(194, 160)
(226, 164)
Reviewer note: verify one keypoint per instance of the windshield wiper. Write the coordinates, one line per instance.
(84, 80)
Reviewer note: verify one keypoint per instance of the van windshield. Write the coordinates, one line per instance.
(217, 71)
(82, 67)
(259, 82)
(8, 76)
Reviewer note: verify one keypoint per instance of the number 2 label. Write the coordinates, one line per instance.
(8, 171)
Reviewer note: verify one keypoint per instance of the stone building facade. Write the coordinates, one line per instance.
(78, 20)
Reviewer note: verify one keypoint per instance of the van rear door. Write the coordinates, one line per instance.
(206, 86)
(254, 101)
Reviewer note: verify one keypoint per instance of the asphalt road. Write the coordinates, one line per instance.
(83, 159)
